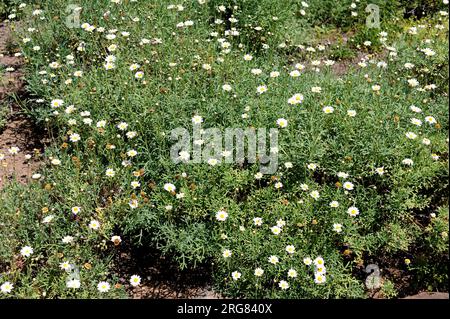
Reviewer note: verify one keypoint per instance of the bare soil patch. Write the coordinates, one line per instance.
(161, 278)
(429, 295)
(18, 132)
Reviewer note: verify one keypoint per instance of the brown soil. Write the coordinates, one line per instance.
(406, 283)
(341, 66)
(429, 295)
(18, 130)
(161, 278)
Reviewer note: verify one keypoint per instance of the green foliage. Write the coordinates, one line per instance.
(256, 20)
(420, 8)
(6, 6)
(23, 213)
(388, 290)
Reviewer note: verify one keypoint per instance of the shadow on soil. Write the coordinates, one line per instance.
(161, 278)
